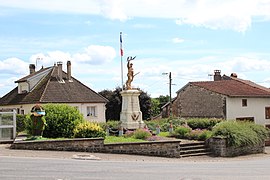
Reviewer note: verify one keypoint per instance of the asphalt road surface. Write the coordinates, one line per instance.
(61, 165)
(35, 168)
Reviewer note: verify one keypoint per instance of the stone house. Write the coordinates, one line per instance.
(227, 97)
(53, 85)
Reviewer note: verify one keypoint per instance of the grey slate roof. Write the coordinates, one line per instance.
(50, 90)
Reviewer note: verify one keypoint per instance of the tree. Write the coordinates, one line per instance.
(114, 106)
(163, 100)
(157, 103)
(155, 109)
(145, 105)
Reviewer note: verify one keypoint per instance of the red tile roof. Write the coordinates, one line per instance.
(234, 88)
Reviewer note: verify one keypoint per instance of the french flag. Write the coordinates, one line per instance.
(121, 49)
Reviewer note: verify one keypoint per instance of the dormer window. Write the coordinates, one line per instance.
(23, 88)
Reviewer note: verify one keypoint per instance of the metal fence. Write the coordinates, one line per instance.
(7, 126)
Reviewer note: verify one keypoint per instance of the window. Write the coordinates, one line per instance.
(251, 119)
(91, 111)
(267, 112)
(244, 102)
(22, 111)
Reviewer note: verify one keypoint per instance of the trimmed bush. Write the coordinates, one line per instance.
(141, 134)
(182, 132)
(88, 129)
(61, 120)
(202, 123)
(241, 133)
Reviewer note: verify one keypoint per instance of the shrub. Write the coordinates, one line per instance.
(181, 132)
(152, 125)
(199, 134)
(128, 134)
(113, 124)
(88, 129)
(20, 122)
(61, 120)
(202, 123)
(241, 133)
(141, 134)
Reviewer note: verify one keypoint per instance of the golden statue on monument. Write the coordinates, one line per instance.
(130, 73)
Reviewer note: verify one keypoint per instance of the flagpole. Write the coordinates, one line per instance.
(121, 54)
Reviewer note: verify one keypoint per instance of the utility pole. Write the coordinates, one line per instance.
(170, 89)
(170, 92)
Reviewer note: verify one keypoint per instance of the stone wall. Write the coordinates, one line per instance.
(155, 148)
(194, 101)
(78, 144)
(220, 148)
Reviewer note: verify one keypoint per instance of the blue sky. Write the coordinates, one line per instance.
(190, 38)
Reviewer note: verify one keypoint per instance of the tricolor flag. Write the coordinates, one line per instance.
(121, 49)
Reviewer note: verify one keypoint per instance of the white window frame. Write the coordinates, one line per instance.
(91, 111)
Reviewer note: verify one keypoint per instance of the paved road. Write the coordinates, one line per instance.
(22, 164)
(58, 169)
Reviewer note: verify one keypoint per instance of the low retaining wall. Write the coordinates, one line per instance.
(219, 147)
(79, 144)
(155, 148)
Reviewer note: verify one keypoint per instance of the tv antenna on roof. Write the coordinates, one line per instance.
(38, 59)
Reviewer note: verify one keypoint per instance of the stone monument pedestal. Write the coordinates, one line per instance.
(131, 115)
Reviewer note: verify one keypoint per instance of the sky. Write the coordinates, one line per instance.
(189, 38)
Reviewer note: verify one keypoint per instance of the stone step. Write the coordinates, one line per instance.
(191, 151)
(194, 149)
(196, 154)
(193, 143)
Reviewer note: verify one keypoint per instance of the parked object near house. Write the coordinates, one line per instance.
(7, 126)
(227, 97)
(53, 85)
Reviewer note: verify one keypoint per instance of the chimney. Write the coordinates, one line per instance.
(217, 76)
(69, 71)
(32, 68)
(60, 74)
(234, 75)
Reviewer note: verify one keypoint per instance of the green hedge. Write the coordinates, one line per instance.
(61, 120)
(241, 133)
(202, 123)
(20, 123)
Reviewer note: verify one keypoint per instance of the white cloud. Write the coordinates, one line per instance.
(96, 54)
(177, 40)
(10, 66)
(92, 55)
(230, 14)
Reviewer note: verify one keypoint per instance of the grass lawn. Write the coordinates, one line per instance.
(164, 134)
(121, 139)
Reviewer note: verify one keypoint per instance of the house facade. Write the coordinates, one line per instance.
(53, 85)
(227, 97)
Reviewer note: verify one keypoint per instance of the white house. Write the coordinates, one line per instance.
(53, 85)
(226, 97)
